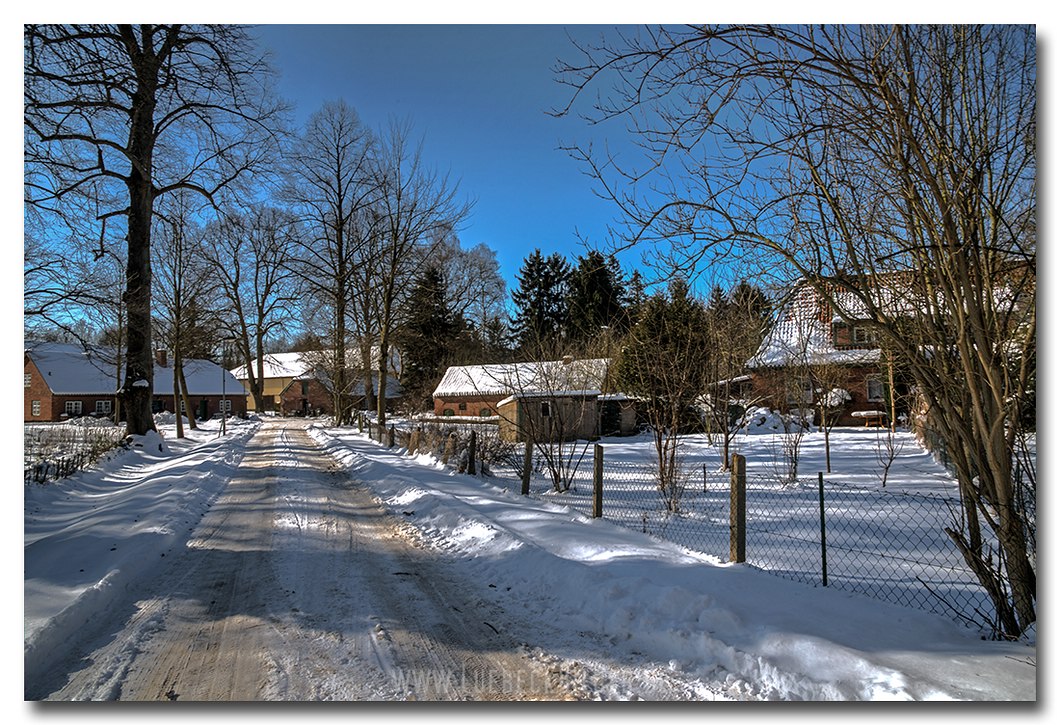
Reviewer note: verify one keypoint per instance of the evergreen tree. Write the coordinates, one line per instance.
(428, 337)
(596, 296)
(541, 299)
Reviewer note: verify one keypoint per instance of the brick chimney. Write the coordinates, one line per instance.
(160, 358)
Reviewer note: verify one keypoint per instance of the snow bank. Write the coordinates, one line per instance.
(759, 636)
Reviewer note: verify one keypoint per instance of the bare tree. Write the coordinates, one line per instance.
(249, 256)
(183, 289)
(414, 207)
(331, 188)
(141, 110)
(864, 158)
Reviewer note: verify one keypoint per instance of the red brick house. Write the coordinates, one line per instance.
(311, 394)
(810, 343)
(64, 380)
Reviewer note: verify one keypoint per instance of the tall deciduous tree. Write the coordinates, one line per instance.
(133, 112)
(331, 186)
(414, 207)
(249, 255)
(894, 168)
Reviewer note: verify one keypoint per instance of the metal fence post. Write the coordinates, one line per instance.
(738, 510)
(598, 481)
(528, 460)
(824, 548)
(471, 454)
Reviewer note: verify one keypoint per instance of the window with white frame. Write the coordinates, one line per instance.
(26, 380)
(103, 407)
(73, 407)
(546, 409)
(874, 390)
(226, 406)
(36, 407)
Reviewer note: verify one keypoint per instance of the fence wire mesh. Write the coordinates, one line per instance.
(53, 451)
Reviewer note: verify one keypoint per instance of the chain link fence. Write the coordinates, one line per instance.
(888, 545)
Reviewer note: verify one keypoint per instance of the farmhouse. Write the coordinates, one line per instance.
(64, 380)
(812, 351)
(561, 399)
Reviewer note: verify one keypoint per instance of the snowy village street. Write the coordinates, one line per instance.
(296, 585)
(290, 560)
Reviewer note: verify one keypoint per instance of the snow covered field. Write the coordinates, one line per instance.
(591, 595)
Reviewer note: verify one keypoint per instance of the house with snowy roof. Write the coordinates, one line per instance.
(814, 344)
(290, 377)
(567, 399)
(65, 380)
(311, 393)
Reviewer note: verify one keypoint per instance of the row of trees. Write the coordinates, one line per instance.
(167, 192)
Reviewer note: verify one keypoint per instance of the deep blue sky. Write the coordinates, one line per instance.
(478, 95)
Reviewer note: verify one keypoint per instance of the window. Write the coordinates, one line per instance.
(226, 406)
(484, 413)
(26, 380)
(546, 409)
(864, 336)
(447, 411)
(103, 406)
(462, 406)
(874, 388)
(305, 387)
(800, 392)
(36, 407)
(73, 407)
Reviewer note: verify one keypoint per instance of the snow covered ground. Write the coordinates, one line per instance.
(577, 590)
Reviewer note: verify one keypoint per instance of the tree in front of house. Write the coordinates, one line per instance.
(119, 116)
(666, 362)
(541, 300)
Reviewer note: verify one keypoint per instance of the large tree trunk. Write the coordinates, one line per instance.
(139, 361)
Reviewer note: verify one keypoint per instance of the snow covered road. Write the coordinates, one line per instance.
(297, 585)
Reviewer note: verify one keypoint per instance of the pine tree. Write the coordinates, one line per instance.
(541, 299)
(596, 296)
(428, 336)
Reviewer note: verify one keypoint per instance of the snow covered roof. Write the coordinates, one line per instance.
(276, 365)
(393, 385)
(294, 364)
(555, 377)
(71, 369)
(802, 335)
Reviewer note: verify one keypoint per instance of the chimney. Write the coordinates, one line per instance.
(160, 358)
(568, 359)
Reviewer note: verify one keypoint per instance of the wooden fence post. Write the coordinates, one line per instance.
(824, 548)
(738, 510)
(414, 441)
(471, 454)
(390, 437)
(528, 461)
(598, 481)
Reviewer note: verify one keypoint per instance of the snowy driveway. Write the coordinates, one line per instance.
(297, 585)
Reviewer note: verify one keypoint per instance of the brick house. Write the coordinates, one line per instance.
(562, 398)
(810, 342)
(311, 394)
(64, 380)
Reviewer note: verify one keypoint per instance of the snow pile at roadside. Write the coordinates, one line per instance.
(627, 596)
(88, 536)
